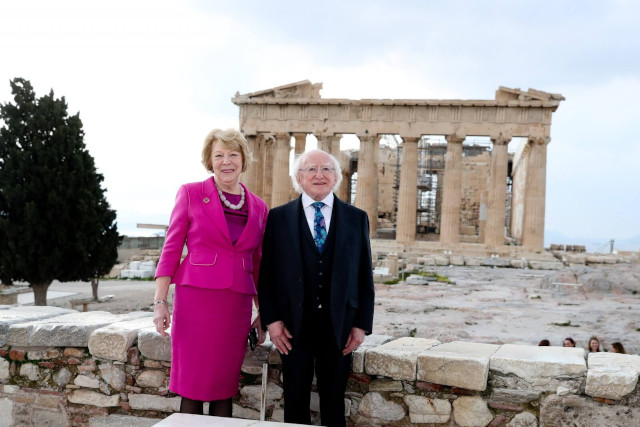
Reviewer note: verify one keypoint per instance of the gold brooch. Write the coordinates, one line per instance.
(206, 200)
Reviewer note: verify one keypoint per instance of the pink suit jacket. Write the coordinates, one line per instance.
(212, 260)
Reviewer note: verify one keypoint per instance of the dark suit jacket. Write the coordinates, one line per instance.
(281, 281)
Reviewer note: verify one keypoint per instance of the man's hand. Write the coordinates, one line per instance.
(280, 336)
(356, 337)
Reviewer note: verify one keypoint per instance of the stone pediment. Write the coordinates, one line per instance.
(507, 94)
(301, 89)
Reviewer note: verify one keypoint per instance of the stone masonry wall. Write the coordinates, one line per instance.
(61, 367)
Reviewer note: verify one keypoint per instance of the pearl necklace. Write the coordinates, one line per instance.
(228, 203)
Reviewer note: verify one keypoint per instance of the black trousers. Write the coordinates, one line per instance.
(317, 349)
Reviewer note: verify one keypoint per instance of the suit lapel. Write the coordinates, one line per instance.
(338, 218)
(294, 210)
(212, 206)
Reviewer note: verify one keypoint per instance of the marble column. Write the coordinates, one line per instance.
(267, 168)
(452, 191)
(535, 193)
(333, 147)
(324, 142)
(281, 181)
(250, 176)
(301, 143)
(497, 193)
(367, 184)
(408, 197)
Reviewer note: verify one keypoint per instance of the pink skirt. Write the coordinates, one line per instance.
(209, 332)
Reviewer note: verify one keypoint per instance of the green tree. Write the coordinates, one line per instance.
(55, 222)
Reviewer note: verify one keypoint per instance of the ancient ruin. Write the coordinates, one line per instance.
(437, 188)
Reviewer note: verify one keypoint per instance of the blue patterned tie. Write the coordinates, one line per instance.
(320, 235)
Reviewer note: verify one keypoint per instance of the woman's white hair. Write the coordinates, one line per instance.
(299, 163)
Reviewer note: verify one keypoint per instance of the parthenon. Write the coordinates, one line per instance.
(438, 185)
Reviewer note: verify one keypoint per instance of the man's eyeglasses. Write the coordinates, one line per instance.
(312, 170)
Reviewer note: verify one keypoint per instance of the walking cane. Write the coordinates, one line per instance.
(263, 392)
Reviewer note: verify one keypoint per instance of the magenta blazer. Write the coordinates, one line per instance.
(212, 260)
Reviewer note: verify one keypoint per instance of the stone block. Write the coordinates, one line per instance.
(424, 410)
(612, 375)
(572, 410)
(112, 342)
(456, 260)
(68, 330)
(32, 372)
(43, 353)
(115, 420)
(373, 405)
(514, 397)
(541, 368)
(85, 381)
(545, 265)
(457, 364)
(6, 410)
(576, 258)
(397, 359)
(151, 378)
(113, 375)
(471, 411)
(472, 262)
(62, 377)
(154, 403)
(385, 385)
(370, 341)
(441, 259)
(4, 369)
(243, 413)
(88, 397)
(496, 262)
(524, 419)
(25, 313)
(253, 392)
(153, 346)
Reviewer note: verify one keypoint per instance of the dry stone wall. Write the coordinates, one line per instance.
(60, 367)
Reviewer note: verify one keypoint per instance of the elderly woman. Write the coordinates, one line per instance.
(222, 224)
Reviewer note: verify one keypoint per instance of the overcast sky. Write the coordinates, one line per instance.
(151, 78)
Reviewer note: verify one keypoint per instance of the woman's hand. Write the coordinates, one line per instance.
(261, 335)
(161, 318)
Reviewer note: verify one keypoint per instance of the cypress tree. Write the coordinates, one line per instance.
(55, 222)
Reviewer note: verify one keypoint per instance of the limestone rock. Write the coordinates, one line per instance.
(4, 369)
(514, 397)
(253, 392)
(385, 385)
(62, 377)
(112, 342)
(151, 378)
(373, 405)
(572, 410)
(424, 410)
(25, 314)
(471, 411)
(32, 372)
(612, 375)
(153, 346)
(6, 409)
(543, 368)
(457, 364)
(370, 341)
(397, 359)
(524, 419)
(88, 397)
(113, 375)
(68, 330)
(85, 381)
(154, 403)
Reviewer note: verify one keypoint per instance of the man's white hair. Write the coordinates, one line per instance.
(300, 163)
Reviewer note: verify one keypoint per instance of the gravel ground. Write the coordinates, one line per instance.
(492, 305)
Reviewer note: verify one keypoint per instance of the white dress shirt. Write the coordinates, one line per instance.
(310, 211)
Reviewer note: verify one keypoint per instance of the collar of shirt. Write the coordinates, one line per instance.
(309, 210)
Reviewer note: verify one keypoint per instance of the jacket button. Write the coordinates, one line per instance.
(320, 262)
(320, 273)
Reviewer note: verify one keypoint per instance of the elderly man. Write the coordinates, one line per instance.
(316, 288)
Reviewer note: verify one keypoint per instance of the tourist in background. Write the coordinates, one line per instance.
(617, 347)
(544, 343)
(569, 342)
(222, 224)
(316, 288)
(594, 345)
